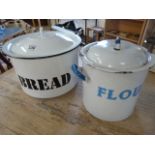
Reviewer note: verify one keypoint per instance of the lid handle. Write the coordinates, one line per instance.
(117, 43)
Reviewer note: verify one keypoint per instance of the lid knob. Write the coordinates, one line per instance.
(117, 43)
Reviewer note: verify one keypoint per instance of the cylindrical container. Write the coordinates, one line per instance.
(112, 76)
(43, 60)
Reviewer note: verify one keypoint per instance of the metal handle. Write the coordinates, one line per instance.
(1, 46)
(76, 71)
(117, 43)
(152, 64)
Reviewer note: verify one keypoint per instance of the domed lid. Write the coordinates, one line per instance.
(42, 44)
(113, 55)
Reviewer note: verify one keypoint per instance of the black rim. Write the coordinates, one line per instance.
(40, 57)
(43, 57)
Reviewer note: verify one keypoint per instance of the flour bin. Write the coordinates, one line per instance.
(113, 74)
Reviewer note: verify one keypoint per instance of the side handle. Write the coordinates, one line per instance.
(76, 71)
(152, 64)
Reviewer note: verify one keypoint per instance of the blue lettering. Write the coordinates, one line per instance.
(110, 95)
(125, 94)
(101, 91)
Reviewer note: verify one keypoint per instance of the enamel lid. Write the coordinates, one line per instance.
(106, 55)
(41, 44)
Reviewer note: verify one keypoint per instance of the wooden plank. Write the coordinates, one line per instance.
(125, 38)
(6, 131)
(143, 31)
(130, 26)
(22, 114)
(33, 23)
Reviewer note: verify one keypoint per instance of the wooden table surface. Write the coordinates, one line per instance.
(22, 114)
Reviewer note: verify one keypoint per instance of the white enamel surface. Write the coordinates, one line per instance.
(46, 69)
(100, 65)
(101, 107)
(36, 76)
(41, 44)
(130, 56)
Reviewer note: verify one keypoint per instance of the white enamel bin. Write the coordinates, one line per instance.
(43, 60)
(113, 74)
